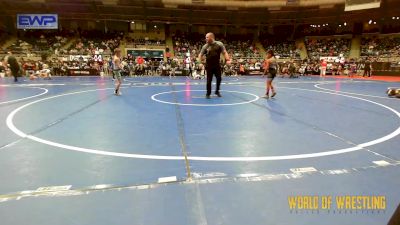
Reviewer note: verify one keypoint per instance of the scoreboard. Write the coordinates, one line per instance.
(352, 5)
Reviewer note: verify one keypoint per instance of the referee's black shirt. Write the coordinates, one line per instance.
(212, 52)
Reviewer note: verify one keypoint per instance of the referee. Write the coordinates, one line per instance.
(212, 51)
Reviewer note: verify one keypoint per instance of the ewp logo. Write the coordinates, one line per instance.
(37, 21)
(98, 58)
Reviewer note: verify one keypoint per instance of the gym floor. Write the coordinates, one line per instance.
(71, 152)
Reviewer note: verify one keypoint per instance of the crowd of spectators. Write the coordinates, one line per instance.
(241, 49)
(241, 46)
(95, 42)
(185, 44)
(236, 46)
(37, 42)
(282, 48)
(338, 67)
(317, 48)
(380, 48)
(245, 56)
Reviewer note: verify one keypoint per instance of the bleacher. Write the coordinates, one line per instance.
(35, 43)
(241, 47)
(95, 41)
(380, 47)
(327, 46)
(283, 49)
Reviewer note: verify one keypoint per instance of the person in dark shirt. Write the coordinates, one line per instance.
(212, 51)
(270, 70)
(367, 68)
(13, 65)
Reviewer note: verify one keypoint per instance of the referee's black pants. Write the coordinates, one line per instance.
(211, 71)
(367, 72)
(14, 72)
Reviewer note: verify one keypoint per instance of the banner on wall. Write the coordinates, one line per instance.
(146, 53)
(336, 59)
(37, 21)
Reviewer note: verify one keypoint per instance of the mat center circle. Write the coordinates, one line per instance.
(188, 98)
